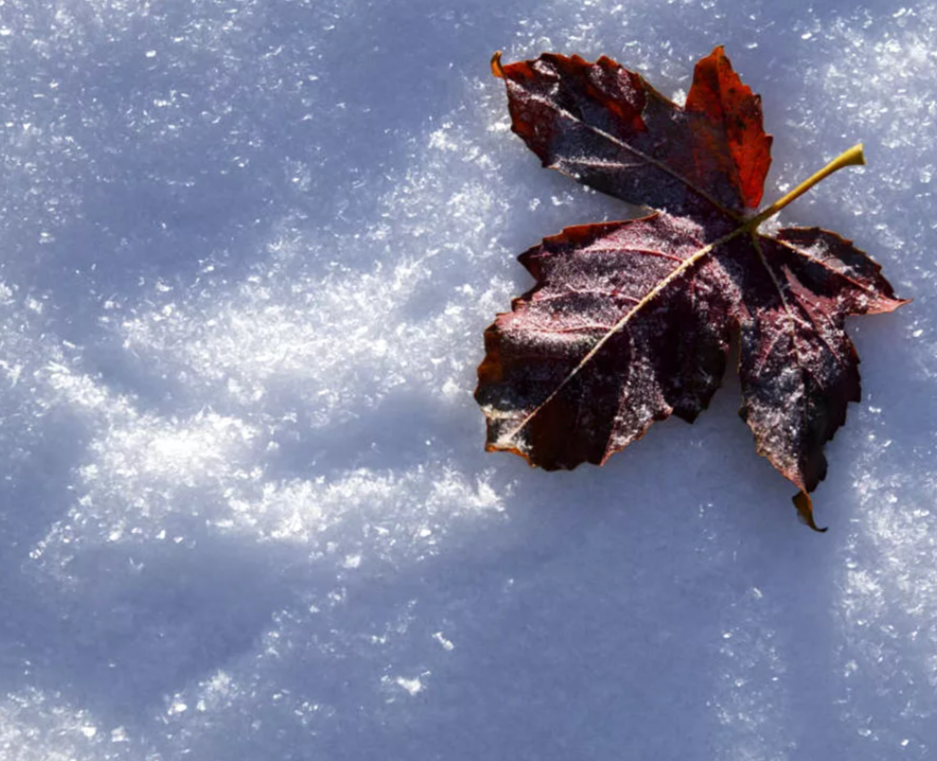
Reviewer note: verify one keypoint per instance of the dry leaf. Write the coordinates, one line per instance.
(630, 322)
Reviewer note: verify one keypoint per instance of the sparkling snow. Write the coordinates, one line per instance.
(247, 253)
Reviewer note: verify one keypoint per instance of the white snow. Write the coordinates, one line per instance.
(248, 250)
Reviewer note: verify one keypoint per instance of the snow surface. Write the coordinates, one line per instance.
(247, 252)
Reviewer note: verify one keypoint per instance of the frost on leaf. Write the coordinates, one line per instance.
(629, 322)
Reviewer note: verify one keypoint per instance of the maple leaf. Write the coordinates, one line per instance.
(630, 322)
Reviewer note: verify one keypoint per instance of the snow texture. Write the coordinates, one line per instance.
(248, 249)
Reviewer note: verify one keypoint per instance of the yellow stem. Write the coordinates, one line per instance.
(852, 157)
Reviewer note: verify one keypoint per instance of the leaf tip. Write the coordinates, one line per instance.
(496, 68)
(805, 510)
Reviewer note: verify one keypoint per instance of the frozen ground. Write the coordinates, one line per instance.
(247, 252)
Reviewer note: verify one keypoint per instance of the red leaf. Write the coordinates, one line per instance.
(630, 322)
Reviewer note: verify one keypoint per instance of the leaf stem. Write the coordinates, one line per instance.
(852, 157)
